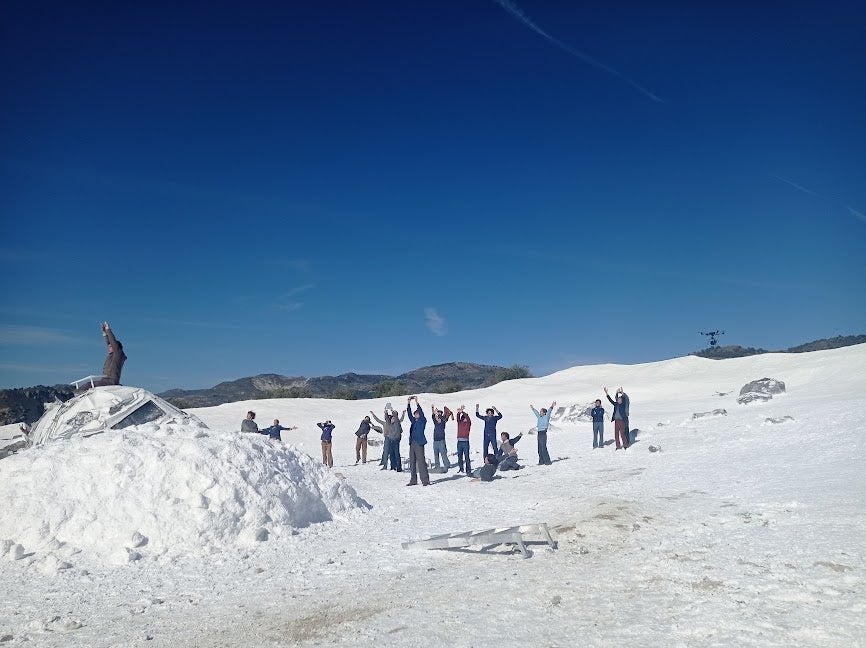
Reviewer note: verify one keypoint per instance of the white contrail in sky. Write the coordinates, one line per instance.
(515, 11)
(855, 213)
(798, 186)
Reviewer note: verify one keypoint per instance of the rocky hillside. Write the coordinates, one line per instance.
(735, 351)
(450, 377)
(28, 403)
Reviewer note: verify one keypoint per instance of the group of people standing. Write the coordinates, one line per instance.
(501, 455)
(619, 417)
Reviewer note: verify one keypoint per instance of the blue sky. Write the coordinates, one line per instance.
(335, 186)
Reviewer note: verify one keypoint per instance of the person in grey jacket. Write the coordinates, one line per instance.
(114, 360)
(393, 432)
(249, 424)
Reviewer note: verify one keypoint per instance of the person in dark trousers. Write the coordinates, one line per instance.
(597, 425)
(114, 360)
(361, 440)
(490, 421)
(440, 418)
(626, 403)
(464, 423)
(249, 424)
(417, 441)
(487, 471)
(542, 427)
(620, 420)
(508, 453)
(393, 432)
(327, 455)
(274, 431)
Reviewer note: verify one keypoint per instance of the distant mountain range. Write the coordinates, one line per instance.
(444, 378)
(27, 403)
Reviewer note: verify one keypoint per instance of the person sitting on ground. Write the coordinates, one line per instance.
(508, 453)
(274, 431)
(487, 471)
(249, 424)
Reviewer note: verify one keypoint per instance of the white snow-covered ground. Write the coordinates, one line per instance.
(740, 531)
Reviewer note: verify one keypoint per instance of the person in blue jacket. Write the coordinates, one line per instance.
(440, 418)
(597, 424)
(327, 455)
(543, 423)
(274, 431)
(490, 421)
(417, 441)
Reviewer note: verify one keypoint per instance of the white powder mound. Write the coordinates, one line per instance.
(157, 492)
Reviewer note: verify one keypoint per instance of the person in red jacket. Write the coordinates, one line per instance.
(464, 422)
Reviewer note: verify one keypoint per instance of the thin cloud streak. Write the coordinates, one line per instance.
(516, 13)
(856, 214)
(33, 335)
(435, 323)
(799, 187)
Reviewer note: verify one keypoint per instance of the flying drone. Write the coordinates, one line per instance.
(712, 335)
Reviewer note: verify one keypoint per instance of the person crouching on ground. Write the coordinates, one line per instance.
(508, 453)
(487, 471)
(327, 455)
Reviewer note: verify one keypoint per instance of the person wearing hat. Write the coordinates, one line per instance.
(490, 418)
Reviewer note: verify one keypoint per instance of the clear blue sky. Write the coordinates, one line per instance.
(332, 186)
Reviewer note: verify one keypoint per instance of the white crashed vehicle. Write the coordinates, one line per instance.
(101, 409)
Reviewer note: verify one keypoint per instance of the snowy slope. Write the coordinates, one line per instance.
(741, 531)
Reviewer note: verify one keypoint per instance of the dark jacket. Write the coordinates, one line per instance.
(273, 431)
(489, 424)
(327, 429)
(439, 425)
(114, 361)
(597, 414)
(364, 428)
(487, 472)
(416, 430)
(249, 425)
(619, 411)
